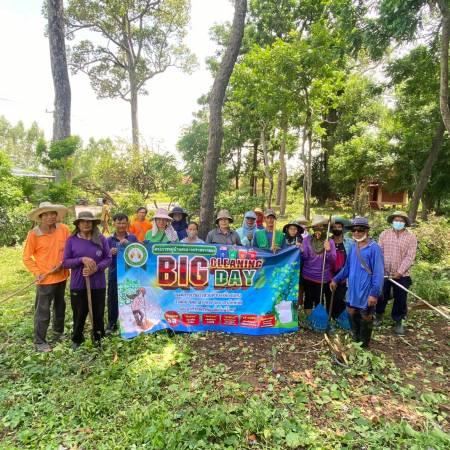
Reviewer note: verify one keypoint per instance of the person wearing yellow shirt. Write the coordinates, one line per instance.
(42, 256)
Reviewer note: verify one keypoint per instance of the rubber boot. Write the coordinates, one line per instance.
(366, 332)
(398, 328)
(378, 320)
(355, 323)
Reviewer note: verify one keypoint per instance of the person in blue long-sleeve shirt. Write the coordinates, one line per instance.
(364, 269)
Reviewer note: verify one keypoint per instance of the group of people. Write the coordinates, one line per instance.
(355, 271)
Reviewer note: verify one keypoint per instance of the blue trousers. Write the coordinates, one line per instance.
(113, 303)
(390, 290)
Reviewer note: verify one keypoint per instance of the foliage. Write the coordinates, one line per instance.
(128, 203)
(433, 239)
(20, 143)
(213, 391)
(432, 282)
(14, 224)
(148, 172)
(59, 155)
(63, 193)
(238, 202)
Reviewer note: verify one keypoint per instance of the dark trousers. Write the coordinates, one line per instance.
(338, 301)
(113, 304)
(312, 293)
(45, 295)
(80, 308)
(390, 290)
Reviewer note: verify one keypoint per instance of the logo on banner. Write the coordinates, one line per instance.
(135, 255)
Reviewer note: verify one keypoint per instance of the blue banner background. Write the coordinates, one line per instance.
(268, 306)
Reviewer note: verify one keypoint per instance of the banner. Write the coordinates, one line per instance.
(207, 288)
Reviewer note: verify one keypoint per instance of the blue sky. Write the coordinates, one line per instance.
(26, 90)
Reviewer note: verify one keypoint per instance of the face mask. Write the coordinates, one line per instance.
(398, 225)
(192, 234)
(336, 232)
(360, 239)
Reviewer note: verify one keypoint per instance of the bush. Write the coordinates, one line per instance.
(431, 282)
(238, 202)
(434, 239)
(128, 203)
(14, 224)
(64, 193)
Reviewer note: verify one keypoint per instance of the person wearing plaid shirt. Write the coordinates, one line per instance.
(399, 248)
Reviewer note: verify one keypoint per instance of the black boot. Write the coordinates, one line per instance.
(366, 332)
(355, 323)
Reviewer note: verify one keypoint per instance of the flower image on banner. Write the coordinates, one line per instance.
(192, 288)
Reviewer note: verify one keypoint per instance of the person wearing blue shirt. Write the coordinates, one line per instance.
(364, 270)
(120, 237)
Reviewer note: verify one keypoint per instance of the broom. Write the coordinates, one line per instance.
(318, 319)
(343, 320)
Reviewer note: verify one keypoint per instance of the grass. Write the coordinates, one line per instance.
(217, 391)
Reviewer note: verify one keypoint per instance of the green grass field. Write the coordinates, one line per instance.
(217, 391)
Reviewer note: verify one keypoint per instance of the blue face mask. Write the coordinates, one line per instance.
(398, 225)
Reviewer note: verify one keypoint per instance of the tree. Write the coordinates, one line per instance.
(148, 173)
(216, 100)
(20, 143)
(139, 39)
(58, 60)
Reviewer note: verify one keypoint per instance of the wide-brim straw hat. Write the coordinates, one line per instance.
(360, 222)
(179, 210)
(86, 215)
(295, 224)
(270, 212)
(44, 207)
(302, 220)
(402, 214)
(224, 214)
(161, 213)
(318, 221)
(258, 211)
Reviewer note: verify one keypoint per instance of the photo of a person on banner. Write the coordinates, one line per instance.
(138, 306)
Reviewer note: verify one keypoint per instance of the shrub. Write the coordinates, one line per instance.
(433, 239)
(14, 224)
(237, 203)
(128, 203)
(431, 282)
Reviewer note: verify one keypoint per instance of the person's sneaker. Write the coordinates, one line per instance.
(399, 330)
(75, 346)
(378, 320)
(44, 348)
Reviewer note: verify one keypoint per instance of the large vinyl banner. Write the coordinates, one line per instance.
(207, 287)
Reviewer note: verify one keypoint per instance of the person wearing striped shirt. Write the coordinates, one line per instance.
(399, 248)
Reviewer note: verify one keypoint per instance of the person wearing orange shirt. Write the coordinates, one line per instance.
(42, 256)
(140, 225)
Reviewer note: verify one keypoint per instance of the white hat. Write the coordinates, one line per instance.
(161, 213)
(44, 207)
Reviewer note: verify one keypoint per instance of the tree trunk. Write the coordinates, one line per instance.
(307, 159)
(283, 170)
(267, 172)
(216, 100)
(445, 37)
(427, 205)
(134, 117)
(425, 173)
(60, 74)
(254, 169)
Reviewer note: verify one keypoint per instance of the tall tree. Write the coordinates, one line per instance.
(139, 39)
(58, 60)
(216, 100)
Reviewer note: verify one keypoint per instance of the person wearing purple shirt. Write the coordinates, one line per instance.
(313, 249)
(121, 237)
(87, 254)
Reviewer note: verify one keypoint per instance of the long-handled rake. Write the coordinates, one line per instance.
(91, 315)
(343, 320)
(318, 319)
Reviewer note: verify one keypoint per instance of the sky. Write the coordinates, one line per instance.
(26, 89)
